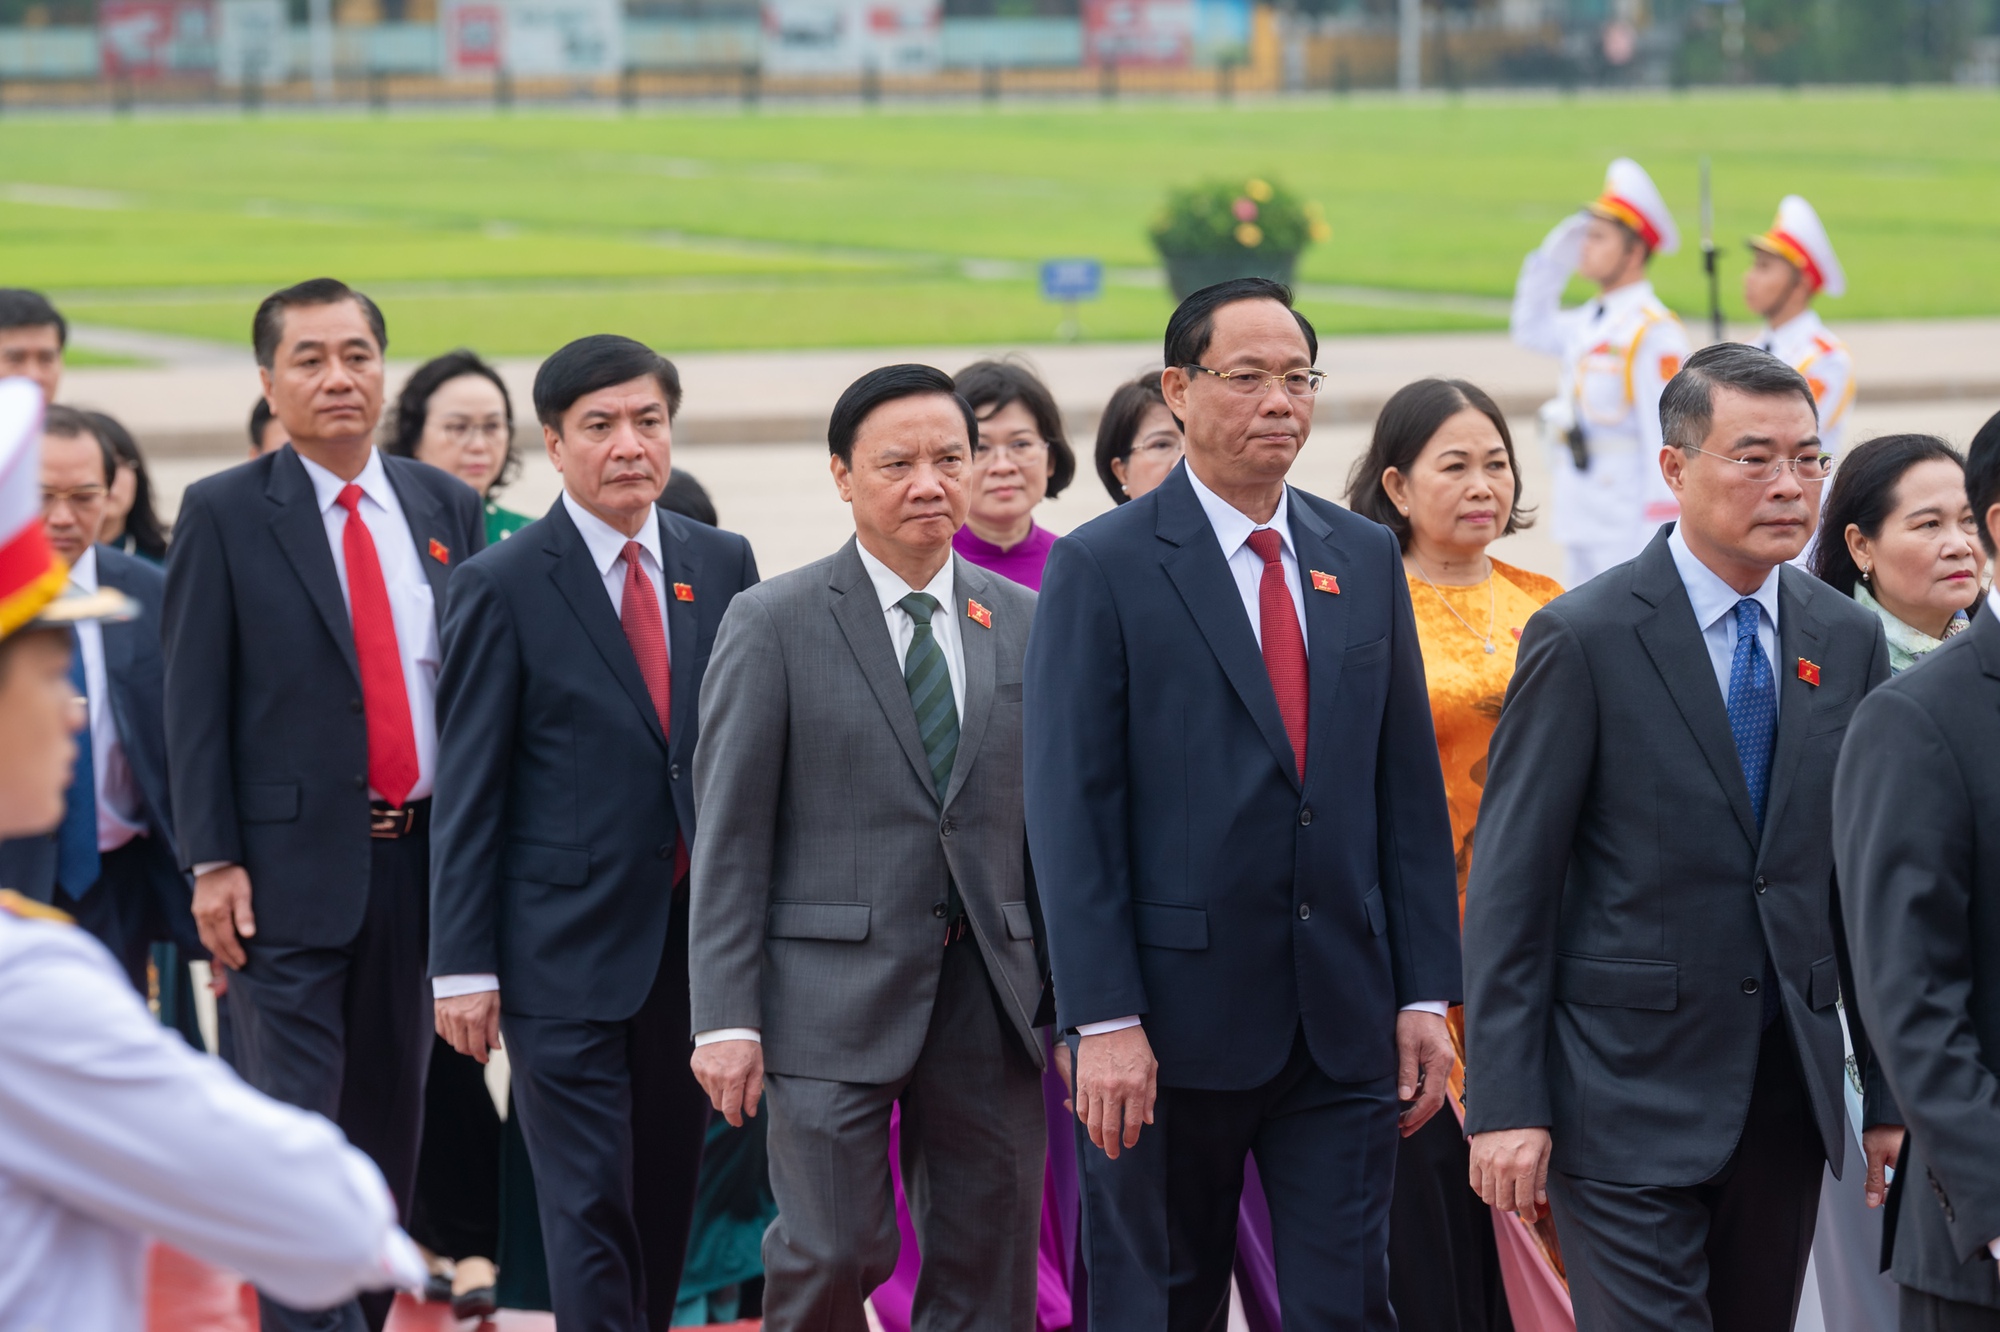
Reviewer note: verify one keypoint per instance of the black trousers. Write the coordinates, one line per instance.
(614, 1122)
(347, 1032)
(456, 1211)
(1728, 1253)
(1917, 1311)
(1159, 1223)
(1444, 1264)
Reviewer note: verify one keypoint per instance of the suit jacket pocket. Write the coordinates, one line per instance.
(1378, 914)
(1617, 982)
(1019, 924)
(843, 922)
(267, 802)
(1170, 925)
(543, 862)
(1007, 691)
(1366, 652)
(1824, 987)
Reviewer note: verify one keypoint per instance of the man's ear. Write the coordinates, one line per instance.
(1992, 525)
(1673, 466)
(552, 441)
(843, 479)
(1174, 383)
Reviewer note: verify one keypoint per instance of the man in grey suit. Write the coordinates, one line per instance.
(863, 929)
(1653, 947)
(1914, 801)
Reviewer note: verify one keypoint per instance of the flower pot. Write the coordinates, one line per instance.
(1189, 273)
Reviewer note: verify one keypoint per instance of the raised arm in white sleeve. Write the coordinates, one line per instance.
(116, 1120)
(1537, 322)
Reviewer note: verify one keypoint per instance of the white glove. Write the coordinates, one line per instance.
(1563, 246)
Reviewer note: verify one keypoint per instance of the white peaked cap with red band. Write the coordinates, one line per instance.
(1799, 238)
(32, 576)
(1631, 198)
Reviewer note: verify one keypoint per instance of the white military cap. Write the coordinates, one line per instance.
(1799, 238)
(1631, 198)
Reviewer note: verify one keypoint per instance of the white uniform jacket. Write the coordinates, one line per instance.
(1804, 344)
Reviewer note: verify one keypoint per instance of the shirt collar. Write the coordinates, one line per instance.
(1626, 298)
(1232, 526)
(606, 543)
(890, 587)
(83, 574)
(374, 482)
(1993, 598)
(1801, 325)
(1713, 598)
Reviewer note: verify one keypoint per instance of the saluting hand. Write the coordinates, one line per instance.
(470, 1023)
(1117, 1083)
(222, 914)
(732, 1073)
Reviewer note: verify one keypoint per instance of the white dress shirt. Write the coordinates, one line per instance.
(890, 589)
(606, 545)
(411, 604)
(1232, 532)
(117, 791)
(1715, 611)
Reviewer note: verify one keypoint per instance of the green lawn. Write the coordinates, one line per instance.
(707, 230)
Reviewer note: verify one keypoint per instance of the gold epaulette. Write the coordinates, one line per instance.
(27, 908)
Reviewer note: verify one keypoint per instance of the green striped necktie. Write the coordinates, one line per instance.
(929, 682)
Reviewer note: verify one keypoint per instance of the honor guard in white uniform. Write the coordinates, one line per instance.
(112, 1130)
(1617, 353)
(1794, 263)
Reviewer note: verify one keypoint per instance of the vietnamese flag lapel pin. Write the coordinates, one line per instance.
(1325, 582)
(1809, 672)
(440, 552)
(683, 591)
(978, 614)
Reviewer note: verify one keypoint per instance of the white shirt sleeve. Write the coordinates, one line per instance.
(1109, 1025)
(1435, 1007)
(452, 987)
(1537, 322)
(702, 1038)
(115, 1118)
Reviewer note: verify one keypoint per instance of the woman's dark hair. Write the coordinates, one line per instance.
(688, 497)
(1118, 428)
(1864, 495)
(413, 407)
(991, 385)
(1408, 420)
(143, 525)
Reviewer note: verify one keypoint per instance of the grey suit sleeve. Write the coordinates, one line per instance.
(1538, 772)
(739, 768)
(1903, 838)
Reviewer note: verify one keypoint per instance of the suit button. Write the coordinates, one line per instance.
(354, 705)
(938, 909)
(665, 851)
(361, 783)
(1305, 816)
(673, 772)
(1762, 883)
(1749, 985)
(950, 827)
(1305, 911)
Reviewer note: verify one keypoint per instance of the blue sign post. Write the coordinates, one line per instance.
(1070, 281)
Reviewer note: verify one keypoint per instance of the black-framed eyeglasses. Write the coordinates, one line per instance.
(1255, 383)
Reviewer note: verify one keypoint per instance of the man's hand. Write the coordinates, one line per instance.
(471, 1023)
(732, 1073)
(1881, 1146)
(222, 914)
(1510, 1170)
(1117, 1082)
(1423, 1063)
(1066, 1073)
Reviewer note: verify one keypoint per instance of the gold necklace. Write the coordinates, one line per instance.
(1492, 606)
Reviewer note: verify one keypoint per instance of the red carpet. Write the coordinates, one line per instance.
(186, 1295)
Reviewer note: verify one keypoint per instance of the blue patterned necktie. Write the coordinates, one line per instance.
(1753, 707)
(77, 864)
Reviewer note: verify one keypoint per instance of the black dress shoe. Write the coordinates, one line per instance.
(437, 1288)
(476, 1303)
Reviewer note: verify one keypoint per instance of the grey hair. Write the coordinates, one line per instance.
(1687, 407)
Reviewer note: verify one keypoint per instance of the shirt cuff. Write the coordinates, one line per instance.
(702, 1038)
(210, 866)
(1994, 1248)
(451, 987)
(1106, 1028)
(1435, 1007)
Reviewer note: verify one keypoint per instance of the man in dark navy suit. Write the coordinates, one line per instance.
(111, 864)
(1239, 829)
(302, 657)
(573, 664)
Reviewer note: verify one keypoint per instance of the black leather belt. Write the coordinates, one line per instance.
(388, 822)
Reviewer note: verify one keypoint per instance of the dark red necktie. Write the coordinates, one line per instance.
(1284, 643)
(392, 739)
(639, 612)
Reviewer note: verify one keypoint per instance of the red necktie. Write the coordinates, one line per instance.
(392, 739)
(639, 612)
(1284, 644)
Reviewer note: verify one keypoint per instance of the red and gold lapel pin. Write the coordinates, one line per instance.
(1809, 672)
(440, 552)
(978, 614)
(1325, 582)
(683, 591)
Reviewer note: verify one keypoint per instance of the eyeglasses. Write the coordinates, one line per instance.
(461, 432)
(1162, 448)
(1256, 383)
(1814, 467)
(1020, 450)
(80, 498)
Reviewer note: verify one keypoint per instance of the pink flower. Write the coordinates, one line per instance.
(1245, 210)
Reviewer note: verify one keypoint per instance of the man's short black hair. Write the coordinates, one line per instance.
(21, 308)
(1193, 320)
(598, 362)
(1982, 478)
(1687, 406)
(888, 384)
(267, 327)
(260, 420)
(69, 423)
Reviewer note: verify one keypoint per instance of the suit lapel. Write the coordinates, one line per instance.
(682, 565)
(859, 615)
(1199, 573)
(425, 519)
(1673, 639)
(1798, 639)
(981, 658)
(300, 530)
(1326, 626)
(575, 576)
